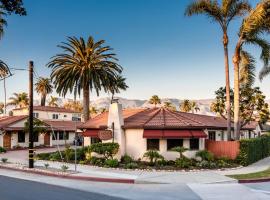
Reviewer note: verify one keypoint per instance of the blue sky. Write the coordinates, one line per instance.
(162, 51)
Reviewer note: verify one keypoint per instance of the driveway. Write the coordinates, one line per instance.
(21, 156)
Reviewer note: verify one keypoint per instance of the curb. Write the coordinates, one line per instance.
(83, 178)
(260, 180)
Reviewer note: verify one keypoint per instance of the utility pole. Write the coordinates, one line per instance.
(31, 134)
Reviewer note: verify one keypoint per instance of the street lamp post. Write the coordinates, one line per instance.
(31, 134)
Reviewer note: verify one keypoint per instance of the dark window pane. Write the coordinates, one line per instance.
(67, 135)
(36, 137)
(171, 143)
(54, 134)
(212, 135)
(61, 135)
(152, 144)
(95, 140)
(21, 136)
(194, 144)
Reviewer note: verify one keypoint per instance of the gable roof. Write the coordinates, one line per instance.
(161, 118)
(49, 109)
(9, 120)
(62, 125)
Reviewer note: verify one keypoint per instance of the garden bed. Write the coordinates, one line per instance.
(158, 164)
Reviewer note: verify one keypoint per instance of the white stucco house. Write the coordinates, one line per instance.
(139, 130)
(60, 125)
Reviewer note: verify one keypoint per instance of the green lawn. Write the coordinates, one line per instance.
(256, 175)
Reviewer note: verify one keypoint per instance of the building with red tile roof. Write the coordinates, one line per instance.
(138, 130)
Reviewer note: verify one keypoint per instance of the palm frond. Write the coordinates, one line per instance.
(264, 72)
(208, 7)
(247, 69)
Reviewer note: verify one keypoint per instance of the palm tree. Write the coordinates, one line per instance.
(4, 72)
(93, 110)
(43, 87)
(168, 105)
(19, 100)
(74, 105)
(3, 23)
(194, 107)
(1, 108)
(116, 84)
(53, 102)
(252, 29)
(185, 106)
(155, 100)
(222, 14)
(84, 65)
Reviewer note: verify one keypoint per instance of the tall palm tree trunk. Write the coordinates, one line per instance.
(43, 100)
(227, 75)
(86, 98)
(236, 61)
(5, 96)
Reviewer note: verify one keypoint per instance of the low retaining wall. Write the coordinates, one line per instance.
(229, 149)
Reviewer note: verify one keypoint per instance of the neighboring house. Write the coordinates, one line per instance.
(60, 123)
(139, 130)
(50, 113)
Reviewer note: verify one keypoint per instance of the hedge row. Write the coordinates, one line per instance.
(252, 150)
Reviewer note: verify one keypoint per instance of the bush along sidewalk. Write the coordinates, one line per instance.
(253, 150)
(104, 156)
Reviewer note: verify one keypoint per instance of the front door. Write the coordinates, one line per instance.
(7, 141)
(47, 139)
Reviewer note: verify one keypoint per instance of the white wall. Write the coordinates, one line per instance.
(136, 146)
(63, 142)
(47, 114)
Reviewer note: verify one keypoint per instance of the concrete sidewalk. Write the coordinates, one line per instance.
(255, 167)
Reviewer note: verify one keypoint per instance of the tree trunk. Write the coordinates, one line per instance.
(227, 75)
(86, 99)
(236, 62)
(43, 100)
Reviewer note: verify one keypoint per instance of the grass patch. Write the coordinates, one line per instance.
(255, 175)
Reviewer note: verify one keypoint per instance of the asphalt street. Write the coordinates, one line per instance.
(13, 189)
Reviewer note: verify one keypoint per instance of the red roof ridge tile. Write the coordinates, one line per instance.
(177, 117)
(182, 114)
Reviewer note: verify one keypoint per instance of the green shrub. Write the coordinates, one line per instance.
(252, 150)
(55, 156)
(64, 168)
(131, 165)
(4, 160)
(44, 156)
(46, 165)
(2, 150)
(126, 159)
(108, 150)
(97, 161)
(68, 154)
(153, 156)
(83, 162)
(113, 163)
(183, 162)
(180, 150)
(205, 155)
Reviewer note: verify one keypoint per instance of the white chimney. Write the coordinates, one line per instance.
(116, 121)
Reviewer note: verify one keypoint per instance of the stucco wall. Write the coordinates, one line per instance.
(62, 142)
(136, 146)
(1, 139)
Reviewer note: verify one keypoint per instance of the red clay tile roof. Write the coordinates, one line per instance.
(100, 121)
(63, 125)
(160, 118)
(50, 109)
(9, 120)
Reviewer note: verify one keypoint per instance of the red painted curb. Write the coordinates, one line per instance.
(254, 180)
(83, 178)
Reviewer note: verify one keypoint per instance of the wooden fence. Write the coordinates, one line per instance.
(229, 149)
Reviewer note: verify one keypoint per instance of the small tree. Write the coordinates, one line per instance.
(108, 150)
(155, 100)
(180, 150)
(153, 156)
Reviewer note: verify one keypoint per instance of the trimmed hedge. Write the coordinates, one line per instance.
(252, 150)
